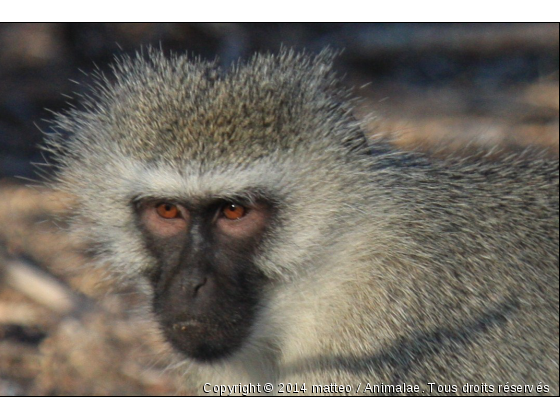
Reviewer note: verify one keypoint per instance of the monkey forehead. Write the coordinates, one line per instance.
(193, 182)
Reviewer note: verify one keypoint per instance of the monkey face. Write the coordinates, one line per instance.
(206, 285)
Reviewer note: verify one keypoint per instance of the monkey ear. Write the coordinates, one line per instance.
(358, 143)
(355, 139)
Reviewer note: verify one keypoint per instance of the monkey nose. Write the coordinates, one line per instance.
(193, 286)
(201, 283)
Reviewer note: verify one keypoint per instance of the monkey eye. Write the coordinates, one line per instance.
(232, 211)
(168, 211)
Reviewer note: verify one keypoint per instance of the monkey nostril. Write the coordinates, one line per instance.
(199, 285)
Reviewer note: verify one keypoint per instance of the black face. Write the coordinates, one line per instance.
(206, 286)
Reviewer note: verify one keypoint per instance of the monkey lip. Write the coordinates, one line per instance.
(183, 326)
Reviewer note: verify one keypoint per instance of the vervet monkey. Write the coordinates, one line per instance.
(281, 246)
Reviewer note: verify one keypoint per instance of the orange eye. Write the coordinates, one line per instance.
(167, 211)
(234, 211)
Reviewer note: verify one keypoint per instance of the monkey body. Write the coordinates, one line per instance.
(344, 260)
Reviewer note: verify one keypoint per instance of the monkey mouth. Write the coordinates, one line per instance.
(180, 332)
(183, 326)
(183, 334)
(199, 339)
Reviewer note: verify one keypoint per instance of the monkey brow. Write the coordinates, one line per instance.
(247, 196)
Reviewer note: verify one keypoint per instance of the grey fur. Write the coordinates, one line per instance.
(383, 266)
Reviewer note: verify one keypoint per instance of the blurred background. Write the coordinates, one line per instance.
(434, 86)
(450, 81)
